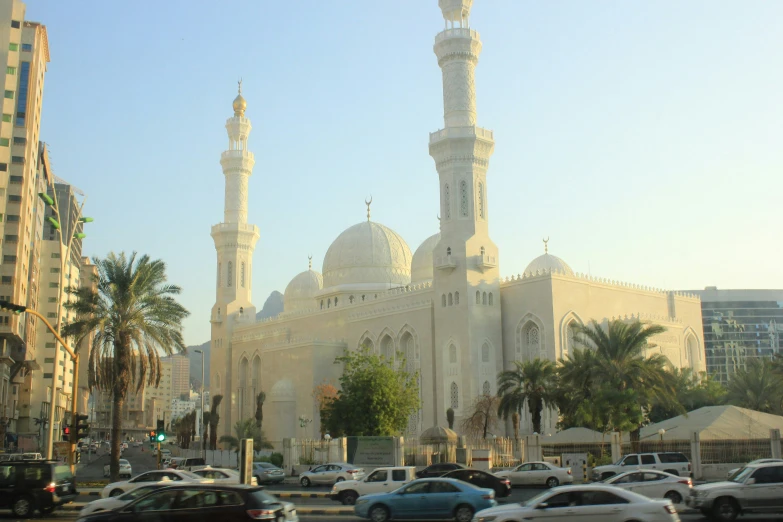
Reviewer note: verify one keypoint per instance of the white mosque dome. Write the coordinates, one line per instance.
(421, 266)
(548, 263)
(300, 292)
(367, 255)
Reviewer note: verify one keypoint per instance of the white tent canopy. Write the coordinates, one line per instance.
(576, 436)
(716, 423)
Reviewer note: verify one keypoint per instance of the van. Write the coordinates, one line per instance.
(186, 463)
(28, 485)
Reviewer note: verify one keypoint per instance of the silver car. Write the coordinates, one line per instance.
(330, 474)
(268, 473)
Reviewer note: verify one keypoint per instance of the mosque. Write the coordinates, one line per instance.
(444, 306)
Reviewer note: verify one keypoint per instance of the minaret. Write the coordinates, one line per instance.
(466, 281)
(235, 241)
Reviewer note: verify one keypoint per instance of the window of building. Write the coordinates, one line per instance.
(13, 198)
(481, 199)
(9, 94)
(446, 202)
(5, 142)
(56, 256)
(17, 159)
(52, 299)
(454, 396)
(27, 47)
(6, 280)
(16, 24)
(13, 46)
(49, 360)
(7, 118)
(13, 218)
(10, 70)
(452, 354)
(448, 251)
(451, 299)
(9, 259)
(54, 285)
(230, 273)
(335, 301)
(456, 298)
(443, 300)
(485, 353)
(51, 315)
(19, 141)
(3, 167)
(242, 275)
(16, 180)
(484, 298)
(54, 270)
(21, 102)
(47, 376)
(490, 299)
(11, 238)
(350, 299)
(463, 196)
(486, 389)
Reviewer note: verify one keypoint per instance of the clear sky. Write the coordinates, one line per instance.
(644, 138)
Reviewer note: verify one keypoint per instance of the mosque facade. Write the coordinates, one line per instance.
(444, 307)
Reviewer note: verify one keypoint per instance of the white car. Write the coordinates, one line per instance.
(330, 474)
(109, 503)
(752, 463)
(537, 474)
(593, 503)
(653, 484)
(221, 475)
(116, 489)
(125, 469)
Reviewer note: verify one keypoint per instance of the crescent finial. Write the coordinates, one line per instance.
(368, 203)
(310, 262)
(546, 247)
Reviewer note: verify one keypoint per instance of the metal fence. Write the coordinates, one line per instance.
(731, 451)
(595, 450)
(661, 446)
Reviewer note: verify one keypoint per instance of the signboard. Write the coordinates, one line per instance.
(61, 450)
(371, 451)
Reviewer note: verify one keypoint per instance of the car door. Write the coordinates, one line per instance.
(521, 475)
(653, 485)
(155, 507)
(7, 483)
(318, 474)
(560, 506)
(377, 482)
(766, 490)
(442, 499)
(648, 461)
(539, 473)
(628, 481)
(412, 502)
(603, 506)
(201, 504)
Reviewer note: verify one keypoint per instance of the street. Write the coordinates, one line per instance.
(141, 459)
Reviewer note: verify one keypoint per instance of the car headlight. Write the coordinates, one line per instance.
(483, 519)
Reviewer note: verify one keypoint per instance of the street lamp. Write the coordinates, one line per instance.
(201, 435)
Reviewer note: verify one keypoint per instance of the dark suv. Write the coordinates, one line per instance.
(28, 485)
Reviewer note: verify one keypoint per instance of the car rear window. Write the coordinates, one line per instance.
(399, 475)
(62, 473)
(672, 457)
(264, 498)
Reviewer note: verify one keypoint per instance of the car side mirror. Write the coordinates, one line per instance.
(750, 482)
(542, 505)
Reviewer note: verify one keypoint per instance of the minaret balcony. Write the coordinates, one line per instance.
(447, 263)
(457, 32)
(461, 132)
(485, 262)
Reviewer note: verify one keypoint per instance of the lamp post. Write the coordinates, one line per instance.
(661, 432)
(201, 435)
(65, 254)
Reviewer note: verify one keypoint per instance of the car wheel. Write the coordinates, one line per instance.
(340, 479)
(22, 507)
(725, 509)
(116, 493)
(379, 514)
(675, 497)
(463, 514)
(305, 482)
(552, 482)
(348, 498)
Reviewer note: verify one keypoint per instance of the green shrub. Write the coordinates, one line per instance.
(274, 458)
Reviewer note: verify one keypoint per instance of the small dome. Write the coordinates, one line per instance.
(283, 391)
(300, 292)
(548, 263)
(367, 255)
(239, 105)
(421, 266)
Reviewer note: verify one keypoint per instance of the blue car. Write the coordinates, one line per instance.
(430, 498)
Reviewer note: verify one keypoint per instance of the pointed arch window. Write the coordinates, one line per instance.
(242, 275)
(456, 298)
(485, 353)
(447, 201)
(451, 299)
(478, 297)
(230, 272)
(490, 299)
(454, 396)
(220, 274)
(484, 298)
(448, 251)
(486, 389)
(463, 198)
(443, 300)
(452, 354)
(483, 251)
(481, 199)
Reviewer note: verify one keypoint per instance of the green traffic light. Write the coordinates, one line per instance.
(161, 437)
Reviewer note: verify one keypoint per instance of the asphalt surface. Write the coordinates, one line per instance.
(91, 467)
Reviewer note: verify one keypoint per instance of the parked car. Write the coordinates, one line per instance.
(125, 469)
(268, 473)
(381, 480)
(164, 453)
(190, 501)
(429, 498)
(593, 502)
(482, 479)
(109, 503)
(752, 463)
(186, 463)
(670, 462)
(438, 470)
(537, 474)
(29, 485)
(116, 489)
(330, 474)
(653, 484)
(221, 475)
(755, 489)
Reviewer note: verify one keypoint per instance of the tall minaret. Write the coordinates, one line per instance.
(235, 241)
(468, 340)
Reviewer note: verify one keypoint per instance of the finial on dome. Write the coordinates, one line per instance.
(310, 262)
(368, 203)
(239, 102)
(546, 247)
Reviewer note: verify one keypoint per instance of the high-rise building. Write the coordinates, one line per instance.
(180, 376)
(739, 325)
(157, 400)
(24, 49)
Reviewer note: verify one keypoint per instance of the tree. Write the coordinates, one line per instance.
(246, 429)
(515, 418)
(214, 420)
(323, 394)
(135, 319)
(629, 381)
(260, 399)
(450, 418)
(205, 424)
(531, 383)
(576, 375)
(184, 428)
(756, 387)
(376, 398)
(483, 418)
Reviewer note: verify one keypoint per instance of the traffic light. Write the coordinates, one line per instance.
(152, 436)
(160, 433)
(81, 427)
(11, 307)
(66, 433)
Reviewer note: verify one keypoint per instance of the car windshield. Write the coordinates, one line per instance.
(742, 474)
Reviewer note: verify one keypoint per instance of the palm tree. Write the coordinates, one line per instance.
(260, 400)
(531, 382)
(577, 375)
(246, 429)
(205, 423)
(757, 387)
(214, 420)
(621, 364)
(135, 318)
